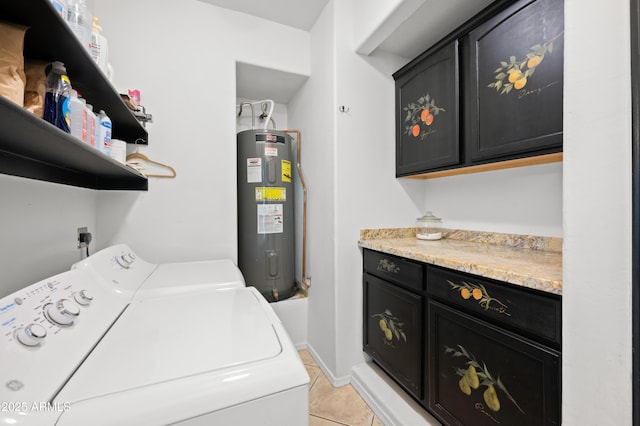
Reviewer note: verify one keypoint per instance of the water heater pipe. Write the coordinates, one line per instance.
(266, 122)
(267, 117)
(305, 280)
(253, 115)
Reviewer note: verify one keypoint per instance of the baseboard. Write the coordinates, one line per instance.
(335, 381)
(387, 400)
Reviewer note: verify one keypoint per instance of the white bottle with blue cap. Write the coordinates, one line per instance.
(103, 140)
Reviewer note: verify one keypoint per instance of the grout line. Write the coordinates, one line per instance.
(329, 420)
(311, 385)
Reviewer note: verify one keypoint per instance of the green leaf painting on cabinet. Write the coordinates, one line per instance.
(391, 327)
(516, 73)
(421, 116)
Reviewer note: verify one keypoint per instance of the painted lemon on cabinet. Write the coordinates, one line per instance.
(491, 398)
(465, 387)
(477, 376)
(420, 117)
(518, 72)
(390, 327)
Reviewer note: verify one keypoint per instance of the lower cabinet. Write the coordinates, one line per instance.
(480, 374)
(393, 337)
(471, 351)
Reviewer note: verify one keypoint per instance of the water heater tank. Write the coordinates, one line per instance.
(265, 213)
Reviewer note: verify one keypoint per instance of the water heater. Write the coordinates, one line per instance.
(265, 213)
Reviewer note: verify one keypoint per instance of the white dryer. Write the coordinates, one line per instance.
(132, 275)
(78, 350)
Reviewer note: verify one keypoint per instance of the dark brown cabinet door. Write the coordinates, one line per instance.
(482, 375)
(393, 334)
(427, 116)
(514, 82)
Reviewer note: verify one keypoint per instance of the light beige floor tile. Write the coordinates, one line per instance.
(376, 421)
(319, 421)
(307, 359)
(342, 404)
(314, 373)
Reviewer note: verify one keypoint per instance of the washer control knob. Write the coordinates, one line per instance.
(63, 312)
(124, 261)
(83, 297)
(31, 335)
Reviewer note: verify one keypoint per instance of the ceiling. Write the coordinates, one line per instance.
(411, 36)
(433, 20)
(298, 14)
(255, 82)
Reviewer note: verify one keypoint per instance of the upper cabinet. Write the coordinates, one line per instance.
(33, 148)
(427, 117)
(514, 81)
(504, 85)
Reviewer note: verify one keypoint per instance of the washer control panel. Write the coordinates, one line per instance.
(124, 260)
(48, 328)
(119, 266)
(29, 317)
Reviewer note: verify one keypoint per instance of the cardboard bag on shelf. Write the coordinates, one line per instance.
(12, 78)
(36, 86)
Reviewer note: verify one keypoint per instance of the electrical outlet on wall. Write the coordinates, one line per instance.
(84, 237)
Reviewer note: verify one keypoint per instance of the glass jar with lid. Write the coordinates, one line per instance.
(429, 227)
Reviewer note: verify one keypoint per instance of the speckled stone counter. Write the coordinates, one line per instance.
(528, 261)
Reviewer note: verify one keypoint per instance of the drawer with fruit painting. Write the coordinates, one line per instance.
(479, 374)
(531, 313)
(396, 269)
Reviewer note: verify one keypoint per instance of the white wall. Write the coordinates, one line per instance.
(311, 111)
(597, 215)
(185, 67)
(526, 200)
(367, 192)
(372, 21)
(38, 225)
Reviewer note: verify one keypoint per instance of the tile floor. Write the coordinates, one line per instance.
(329, 406)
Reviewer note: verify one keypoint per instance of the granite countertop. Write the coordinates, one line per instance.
(529, 261)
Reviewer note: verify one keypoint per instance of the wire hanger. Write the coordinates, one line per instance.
(171, 173)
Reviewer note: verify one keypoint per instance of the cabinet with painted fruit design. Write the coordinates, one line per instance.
(487, 352)
(493, 351)
(490, 91)
(393, 318)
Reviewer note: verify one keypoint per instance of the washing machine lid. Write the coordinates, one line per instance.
(162, 339)
(187, 276)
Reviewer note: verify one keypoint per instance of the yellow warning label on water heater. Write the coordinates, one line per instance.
(271, 193)
(286, 171)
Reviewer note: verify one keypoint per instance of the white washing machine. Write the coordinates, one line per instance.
(78, 350)
(132, 275)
